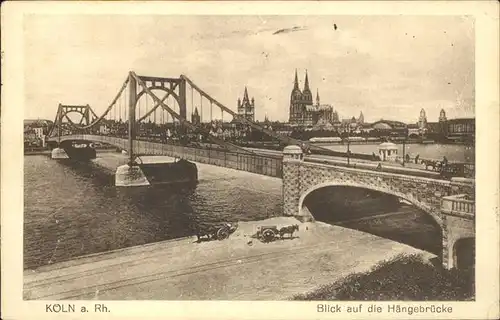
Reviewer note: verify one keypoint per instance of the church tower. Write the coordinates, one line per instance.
(246, 107)
(443, 128)
(361, 118)
(317, 97)
(195, 117)
(422, 120)
(295, 115)
(442, 116)
(306, 94)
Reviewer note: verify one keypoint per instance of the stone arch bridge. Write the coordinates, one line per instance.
(447, 202)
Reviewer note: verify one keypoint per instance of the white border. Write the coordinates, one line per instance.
(487, 162)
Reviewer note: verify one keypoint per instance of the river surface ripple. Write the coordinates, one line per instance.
(73, 209)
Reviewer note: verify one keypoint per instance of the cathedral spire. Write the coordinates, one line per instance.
(361, 118)
(306, 83)
(245, 95)
(296, 83)
(317, 97)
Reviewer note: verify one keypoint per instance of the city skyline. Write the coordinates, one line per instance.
(431, 68)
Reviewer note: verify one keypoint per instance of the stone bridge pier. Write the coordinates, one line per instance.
(449, 203)
(75, 150)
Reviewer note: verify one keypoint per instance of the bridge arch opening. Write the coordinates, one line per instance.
(377, 212)
(76, 116)
(464, 251)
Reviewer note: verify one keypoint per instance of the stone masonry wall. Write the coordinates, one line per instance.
(454, 229)
(424, 193)
(291, 188)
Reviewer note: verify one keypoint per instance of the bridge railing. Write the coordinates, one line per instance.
(261, 164)
(269, 166)
(460, 204)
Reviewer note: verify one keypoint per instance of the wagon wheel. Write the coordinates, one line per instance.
(268, 235)
(222, 233)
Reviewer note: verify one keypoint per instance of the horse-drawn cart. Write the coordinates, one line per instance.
(267, 233)
(271, 233)
(216, 232)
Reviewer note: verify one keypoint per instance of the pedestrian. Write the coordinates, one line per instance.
(416, 158)
(407, 158)
(445, 161)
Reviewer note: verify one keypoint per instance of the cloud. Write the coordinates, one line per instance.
(287, 30)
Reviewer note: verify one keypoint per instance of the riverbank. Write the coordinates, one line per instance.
(37, 152)
(395, 141)
(403, 278)
(453, 152)
(238, 268)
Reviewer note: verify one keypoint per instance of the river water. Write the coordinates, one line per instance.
(75, 209)
(454, 152)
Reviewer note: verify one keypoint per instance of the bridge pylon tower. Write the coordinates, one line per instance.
(63, 122)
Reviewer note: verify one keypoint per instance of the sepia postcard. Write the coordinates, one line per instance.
(250, 160)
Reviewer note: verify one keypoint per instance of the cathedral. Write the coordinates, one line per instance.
(303, 111)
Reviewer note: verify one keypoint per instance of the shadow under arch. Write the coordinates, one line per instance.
(376, 211)
(464, 253)
(119, 143)
(69, 142)
(417, 204)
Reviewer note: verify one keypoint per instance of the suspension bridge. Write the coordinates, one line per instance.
(140, 122)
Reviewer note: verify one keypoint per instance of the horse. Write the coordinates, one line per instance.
(430, 163)
(288, 230)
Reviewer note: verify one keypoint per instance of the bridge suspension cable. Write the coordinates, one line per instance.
(201, 108)
(192, 103)
(99, 119)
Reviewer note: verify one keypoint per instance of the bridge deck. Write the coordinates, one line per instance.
(230, 269)
(266, 162)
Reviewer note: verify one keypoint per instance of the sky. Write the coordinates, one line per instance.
(388, 67)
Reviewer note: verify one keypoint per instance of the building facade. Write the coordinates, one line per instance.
(450, 129)
(303, 112)
(35, 132)
(461, 127)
